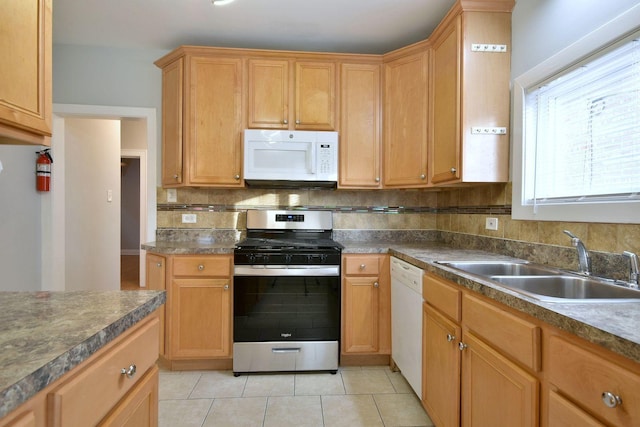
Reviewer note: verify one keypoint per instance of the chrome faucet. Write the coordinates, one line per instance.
(583, 255)
(634, 275)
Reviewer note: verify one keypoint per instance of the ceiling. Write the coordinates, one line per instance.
(355, 26)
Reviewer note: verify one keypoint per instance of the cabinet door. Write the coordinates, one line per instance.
(562, 413)
(268, 94)
(445, 106)
(405, 121)
(140, 407)
(172, 101)
(156, 281)
(214, 112)
(315, 96)
(361, 301)
(495, 391)
(200, 318)
(440, 368)
(360, 144)
(25, 76)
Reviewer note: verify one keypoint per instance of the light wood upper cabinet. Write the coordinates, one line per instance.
(25, 76)
(405, 120)
(290, 94)
(172, 123)
(360, 126)
(268, 93)
(469, 103)
(202, 121)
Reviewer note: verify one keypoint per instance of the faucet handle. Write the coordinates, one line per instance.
(634, 273)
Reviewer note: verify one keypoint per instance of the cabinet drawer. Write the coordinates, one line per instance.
(514, 336)
(584, 376)
(441, 295)
(361, 265)
(214, 265)
(88, 396)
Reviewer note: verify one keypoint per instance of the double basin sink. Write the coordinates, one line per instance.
(546, 283)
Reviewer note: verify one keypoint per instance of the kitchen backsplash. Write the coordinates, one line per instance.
(459, 211)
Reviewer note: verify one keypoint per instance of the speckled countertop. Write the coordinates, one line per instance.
(43, 335)
(189, 247)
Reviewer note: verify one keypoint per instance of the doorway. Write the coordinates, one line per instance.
(57, 272)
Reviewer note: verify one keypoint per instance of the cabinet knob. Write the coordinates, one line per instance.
(450, 337)
(453, 171)
(236, 177)
(226, 287)
(297, 122)
(175, 177)
(363, 266)
(611, 400)
(201, 267)
(462, 346)
(129, 372)
(159, 264)
(423, 176)
(285, 122)
(376, 284)
(377, 179)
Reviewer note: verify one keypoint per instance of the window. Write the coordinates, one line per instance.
(577, 148)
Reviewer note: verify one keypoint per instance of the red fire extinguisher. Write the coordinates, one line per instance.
(43, 170)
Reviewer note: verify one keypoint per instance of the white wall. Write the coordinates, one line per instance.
(20, 203)
(92, 238)
(541, 28)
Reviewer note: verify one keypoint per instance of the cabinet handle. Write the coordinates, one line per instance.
(450, 337)
(159, 264)
(297, 122)
(226, 287)
(175, 177)
(376, 284)
(285, 122)
(453, 171)
(236, 177)
(130, 372)
(377, 179)
(201, 267)
(363, 266)
(462, 346)
(423, 176)
(611, 400)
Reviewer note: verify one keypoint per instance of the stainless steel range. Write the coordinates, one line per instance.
(286, 303)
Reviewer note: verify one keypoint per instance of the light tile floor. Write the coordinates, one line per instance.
(356, 396)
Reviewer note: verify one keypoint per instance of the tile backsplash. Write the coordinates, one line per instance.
(459, 211)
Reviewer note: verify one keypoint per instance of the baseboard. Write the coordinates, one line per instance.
(130, 252)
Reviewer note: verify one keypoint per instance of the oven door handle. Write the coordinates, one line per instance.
(286, 350)
(271, 270)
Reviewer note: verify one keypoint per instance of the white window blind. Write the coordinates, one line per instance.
(583, 131)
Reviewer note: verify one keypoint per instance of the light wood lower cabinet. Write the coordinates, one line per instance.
(97, 392)
(198, 322)
(156, 269)
(366, 306)
(473, 353)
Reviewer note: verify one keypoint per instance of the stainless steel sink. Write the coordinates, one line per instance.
(547, 283)
(563, 288)
(500, 268)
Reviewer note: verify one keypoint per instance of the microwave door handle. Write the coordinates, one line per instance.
(314, 147)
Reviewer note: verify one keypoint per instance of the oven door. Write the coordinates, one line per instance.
(288, 304)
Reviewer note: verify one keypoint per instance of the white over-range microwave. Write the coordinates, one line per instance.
(288, 159)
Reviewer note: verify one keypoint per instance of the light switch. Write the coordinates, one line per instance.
(188, 218)
(172, 195)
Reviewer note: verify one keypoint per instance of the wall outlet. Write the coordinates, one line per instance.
(172, 195)
(189, 218)
(491, 224)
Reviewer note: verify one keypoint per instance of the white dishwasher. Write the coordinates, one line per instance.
(406, 321)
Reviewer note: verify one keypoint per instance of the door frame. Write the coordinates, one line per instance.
(53, 207)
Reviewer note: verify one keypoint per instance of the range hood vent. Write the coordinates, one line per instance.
(286, 184)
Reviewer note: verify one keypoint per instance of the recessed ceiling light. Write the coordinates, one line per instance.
(221, 2)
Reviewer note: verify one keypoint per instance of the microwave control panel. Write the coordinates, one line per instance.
(326, 155)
